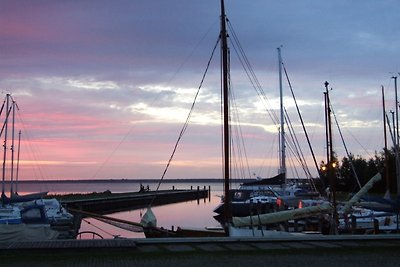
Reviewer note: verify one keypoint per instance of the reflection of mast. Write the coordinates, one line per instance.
(225, 91)
(330, 159)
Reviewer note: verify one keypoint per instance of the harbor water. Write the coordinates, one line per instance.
(191, 214)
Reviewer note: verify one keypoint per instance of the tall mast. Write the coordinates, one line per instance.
(225, 92)
(330, 159)
(17, 171)
(396, 136)
(385, 139)
(12, 148)
(3, 195)
(282, 167)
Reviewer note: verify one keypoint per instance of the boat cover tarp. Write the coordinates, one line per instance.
(282, 216)
(26, 232)
(22, 198)
(362, 192)
(276, 180)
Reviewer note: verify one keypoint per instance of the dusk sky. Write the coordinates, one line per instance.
(104, 87)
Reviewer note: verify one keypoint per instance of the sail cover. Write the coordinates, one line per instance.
(362, 192)
(26, 232)
(276, 180)
(282, 216)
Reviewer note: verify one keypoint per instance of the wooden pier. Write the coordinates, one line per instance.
(108, 202)
(361, 250)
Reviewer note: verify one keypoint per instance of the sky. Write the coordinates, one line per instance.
(104, 87)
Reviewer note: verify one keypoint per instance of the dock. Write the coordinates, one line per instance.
(107, 202)
(351, 250)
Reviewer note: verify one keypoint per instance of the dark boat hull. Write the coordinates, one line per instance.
(155, 232)
(241, 209)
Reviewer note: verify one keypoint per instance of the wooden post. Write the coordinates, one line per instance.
(353, 223)
(376, 226)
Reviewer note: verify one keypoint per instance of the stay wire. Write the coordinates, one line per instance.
(345, 147)
(185, 125)
(301, 120)
(251, 74)
(98, 228)
(239, 137)
(111, 155)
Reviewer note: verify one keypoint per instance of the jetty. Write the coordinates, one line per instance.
(351, 250)
(108, 202)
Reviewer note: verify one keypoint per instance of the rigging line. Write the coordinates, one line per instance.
(239, 133)
(38, 171)
(296, 144)
(257, 87)
(98, 228)
(185, 125)
(291, 145)
(293, 149)
(190, 54)
(345, 146)
(358, 142)
(253, 77)
(301, 120)
(169, 81)
(5, 121)
(2, 107)
(293, 169)
(390, 128)
(263, 163)
(245, 58)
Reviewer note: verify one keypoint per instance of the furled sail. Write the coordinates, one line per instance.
(362, 192)
(282, 216)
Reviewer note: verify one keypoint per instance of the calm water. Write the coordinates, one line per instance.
(187, 214)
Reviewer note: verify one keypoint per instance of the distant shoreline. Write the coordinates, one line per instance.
(189, 180)
(185, 180)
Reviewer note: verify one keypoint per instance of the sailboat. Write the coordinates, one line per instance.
(149, 220)
(268, 195)
(30, 216)
(228, 208)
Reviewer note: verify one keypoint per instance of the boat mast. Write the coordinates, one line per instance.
(386, 151)
(330, 159)
(12, 148)
(282, 167)
(3, 195)
(17, 171)
(396, 136)
(225, 92)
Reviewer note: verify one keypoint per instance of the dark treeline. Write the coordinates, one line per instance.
(365, 169)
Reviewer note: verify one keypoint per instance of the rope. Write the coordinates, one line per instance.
(345, 147)
(251, 74)
(98, 228)
(185, 125)
(301, 119)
